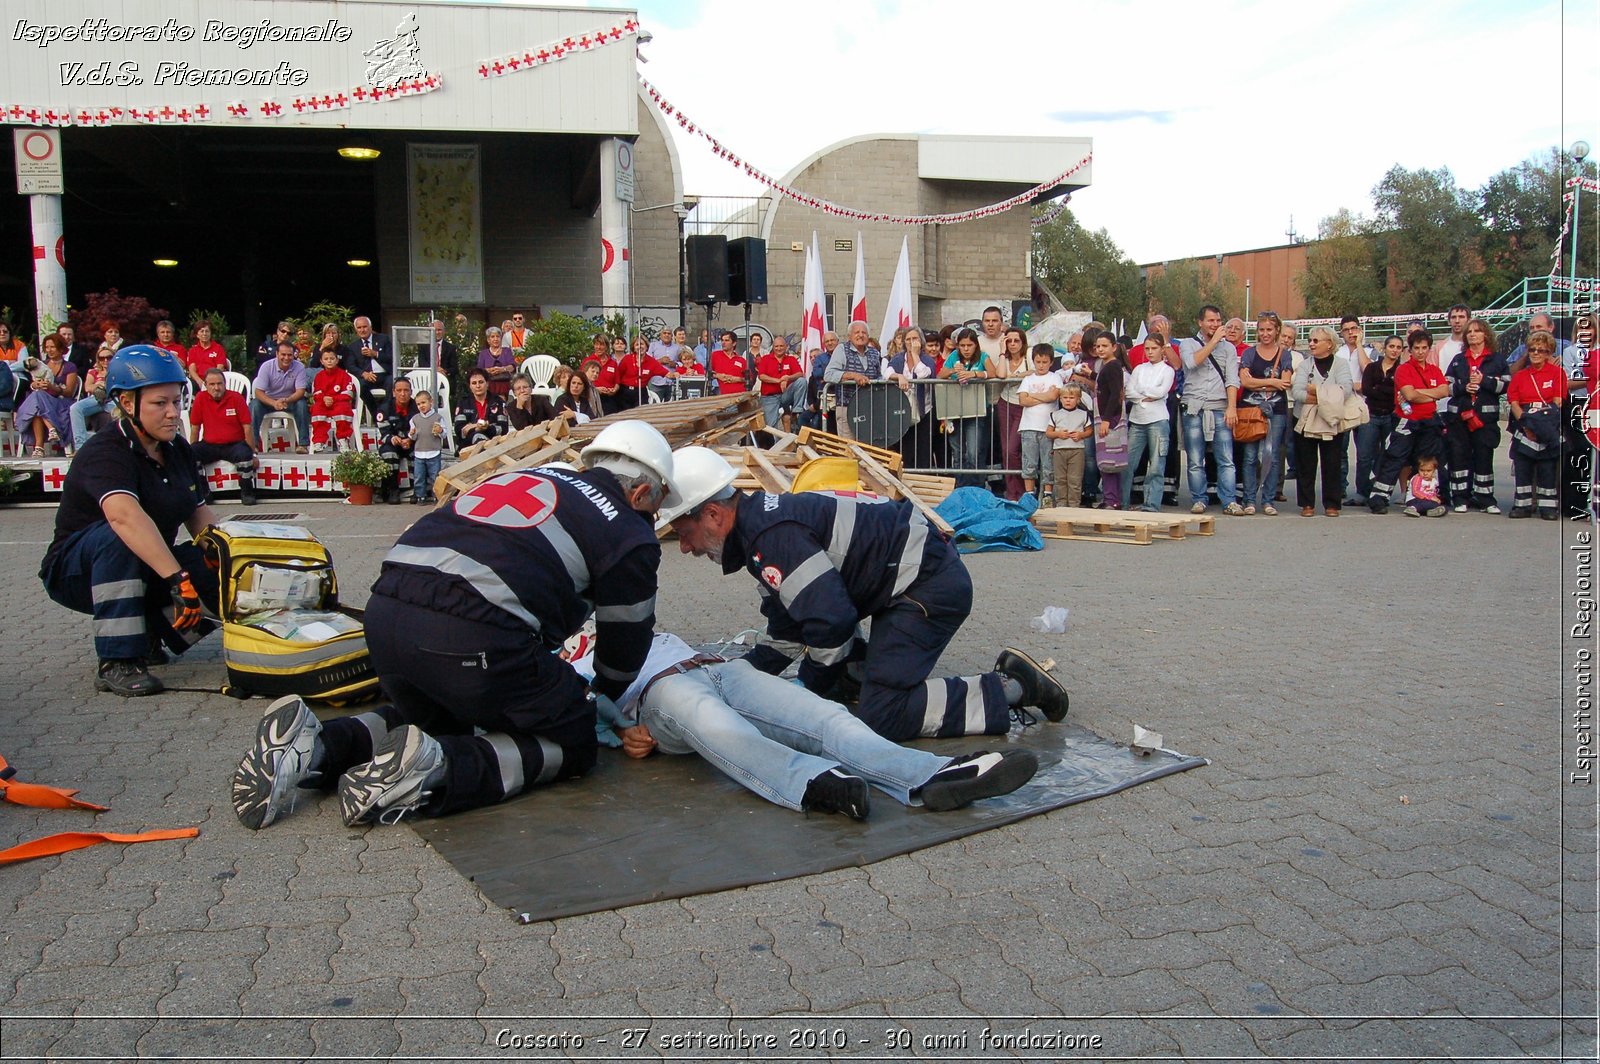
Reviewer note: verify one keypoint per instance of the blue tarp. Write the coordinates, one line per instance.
(984, 522)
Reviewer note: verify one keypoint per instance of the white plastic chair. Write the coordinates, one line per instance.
(540, 368)
(433, 382)
(237, 382)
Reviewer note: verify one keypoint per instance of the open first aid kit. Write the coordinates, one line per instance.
(283, 629)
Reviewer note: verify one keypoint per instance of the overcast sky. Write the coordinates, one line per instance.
(1213, 122)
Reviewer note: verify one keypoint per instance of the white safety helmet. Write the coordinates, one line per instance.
(636, 441)
(699, 476)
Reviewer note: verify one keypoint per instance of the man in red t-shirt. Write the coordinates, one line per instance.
(1418, 387)
(783, 389)
(222, 432)
(728, 366)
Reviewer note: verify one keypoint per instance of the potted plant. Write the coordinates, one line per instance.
(360, 472)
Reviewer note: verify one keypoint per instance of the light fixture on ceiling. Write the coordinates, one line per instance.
(164, 262)
(360, 149)
(358, 262)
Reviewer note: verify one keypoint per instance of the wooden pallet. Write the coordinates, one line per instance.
(534, 445)
(688, 421)
(826, 443)
(1118, 526)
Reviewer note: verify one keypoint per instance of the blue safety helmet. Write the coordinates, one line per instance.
(142, 365)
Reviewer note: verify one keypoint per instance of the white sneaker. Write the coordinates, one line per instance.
(1492, 509)
(287, 746)
(1460, 507)
(396, 782)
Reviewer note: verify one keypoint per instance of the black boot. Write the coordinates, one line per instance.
(247, 491)
(391, 487)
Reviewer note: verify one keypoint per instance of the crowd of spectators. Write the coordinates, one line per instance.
(1111, 422)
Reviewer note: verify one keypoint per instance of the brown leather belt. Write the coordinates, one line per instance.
(699, 661)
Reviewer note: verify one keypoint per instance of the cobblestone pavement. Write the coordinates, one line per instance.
(1383, 860)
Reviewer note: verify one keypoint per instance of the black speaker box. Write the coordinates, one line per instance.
(747, 270)
(707, 258)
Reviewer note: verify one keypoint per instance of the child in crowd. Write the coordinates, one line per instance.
(1038, 395)
(1070, 425)
(1422, 493)
(427, 434)
(332, 404)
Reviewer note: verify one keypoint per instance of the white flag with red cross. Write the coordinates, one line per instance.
(898, 314)
(815, 317)
(858, 294)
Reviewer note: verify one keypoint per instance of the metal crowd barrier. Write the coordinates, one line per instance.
(938, 426)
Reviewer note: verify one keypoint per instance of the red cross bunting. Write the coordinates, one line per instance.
(299, 105)
(202, 112)
(54, 478)
(185, 114)
(516, 500)
(16, 110)
(167, 113)
(514, 63)
(271, 109)
(293, 476)
(342, 100)
(319, 478)
(499, 67)
(267, 477)
(359, 93)
(218, 478)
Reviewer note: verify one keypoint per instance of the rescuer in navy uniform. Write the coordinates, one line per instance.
(465, 624)
(127, 493)
(826, 560)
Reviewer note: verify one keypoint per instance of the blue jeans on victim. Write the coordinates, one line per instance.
(772, 736)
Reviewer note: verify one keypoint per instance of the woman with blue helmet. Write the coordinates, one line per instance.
(126, 494)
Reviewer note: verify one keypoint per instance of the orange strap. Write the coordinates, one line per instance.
(40, 796)
(51, 845)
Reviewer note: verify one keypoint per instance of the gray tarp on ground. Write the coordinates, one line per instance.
(670, 827)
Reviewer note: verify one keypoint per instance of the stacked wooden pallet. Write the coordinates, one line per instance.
(1119, 526)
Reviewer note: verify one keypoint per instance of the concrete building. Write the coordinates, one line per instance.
(515, 159)
(957, 269)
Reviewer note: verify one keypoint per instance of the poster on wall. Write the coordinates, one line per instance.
(446, 235)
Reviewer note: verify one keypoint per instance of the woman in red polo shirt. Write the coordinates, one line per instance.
(1538, 390)
(204, 354)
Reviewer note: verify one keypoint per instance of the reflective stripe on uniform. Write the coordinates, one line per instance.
(113, 590)
(804, 575)
(567, 550)
(510, 761)
(910, 564)
(484, 580)
(831, 655)
(844, 527)
(113, 627)
(933, 713)
(636, 612)
(613, 675)
(552, 761)
(977, 718)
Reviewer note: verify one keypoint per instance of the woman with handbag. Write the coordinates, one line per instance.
(1537, 390)
(1320, 387)
(1266, 372)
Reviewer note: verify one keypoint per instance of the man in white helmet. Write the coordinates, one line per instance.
(824, 561)
(465, 624)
